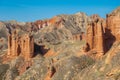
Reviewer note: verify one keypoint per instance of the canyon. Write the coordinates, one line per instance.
(65, 47)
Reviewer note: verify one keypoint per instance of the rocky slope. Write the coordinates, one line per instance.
(107, 68)
(65, 47)
(63, 27)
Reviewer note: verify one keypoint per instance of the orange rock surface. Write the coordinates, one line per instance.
(113, 24)
(101, 34)
(20, 45)
(55, 21)
(95, 35)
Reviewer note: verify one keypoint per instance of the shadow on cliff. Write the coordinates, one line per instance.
(109, 40)
(40, 49)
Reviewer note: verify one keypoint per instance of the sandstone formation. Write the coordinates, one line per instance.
(53, 22)
(113, 23)
(112, 28)
(21, 48)
(95, 35)
(100, 34)
(20, 45)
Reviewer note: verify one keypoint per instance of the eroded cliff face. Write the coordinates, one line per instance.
(20, 45)
(108, 67)
(20, 53)
(101, 33)
(113, 23)
(95, 36)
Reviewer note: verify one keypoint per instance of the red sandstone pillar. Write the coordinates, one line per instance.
(100, 38)
(9, 45)
(90, 36)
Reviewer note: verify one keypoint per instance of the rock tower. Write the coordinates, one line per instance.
(20, 45)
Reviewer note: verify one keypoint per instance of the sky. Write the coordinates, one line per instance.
(32, 10)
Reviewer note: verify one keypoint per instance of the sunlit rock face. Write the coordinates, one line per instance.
(53, 22)
(113, 23)
(101, 33)
(95, 35)
(20, 45)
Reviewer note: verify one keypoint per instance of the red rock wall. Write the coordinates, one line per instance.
(21, 45)
(101, 34)
(113, 24)
(95, 36)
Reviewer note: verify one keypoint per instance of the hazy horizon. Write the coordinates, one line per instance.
(31, 10)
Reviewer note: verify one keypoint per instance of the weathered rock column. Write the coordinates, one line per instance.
(89, 37)
(95, 36)
(100, 38)
(9, 45)
(28, 49)
(14, 45)
(20, 45)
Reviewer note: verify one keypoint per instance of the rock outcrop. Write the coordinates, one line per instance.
(112, 29)
(100, 34)
(20, 45)
(105, 69)
(62, 27)
(95, 35)
(113, 23)
(53, 22)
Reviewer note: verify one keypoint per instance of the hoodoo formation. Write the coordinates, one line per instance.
(20, 45)
(101, 35)
(95, 35)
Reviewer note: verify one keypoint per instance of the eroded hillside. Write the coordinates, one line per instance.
(65, 47)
